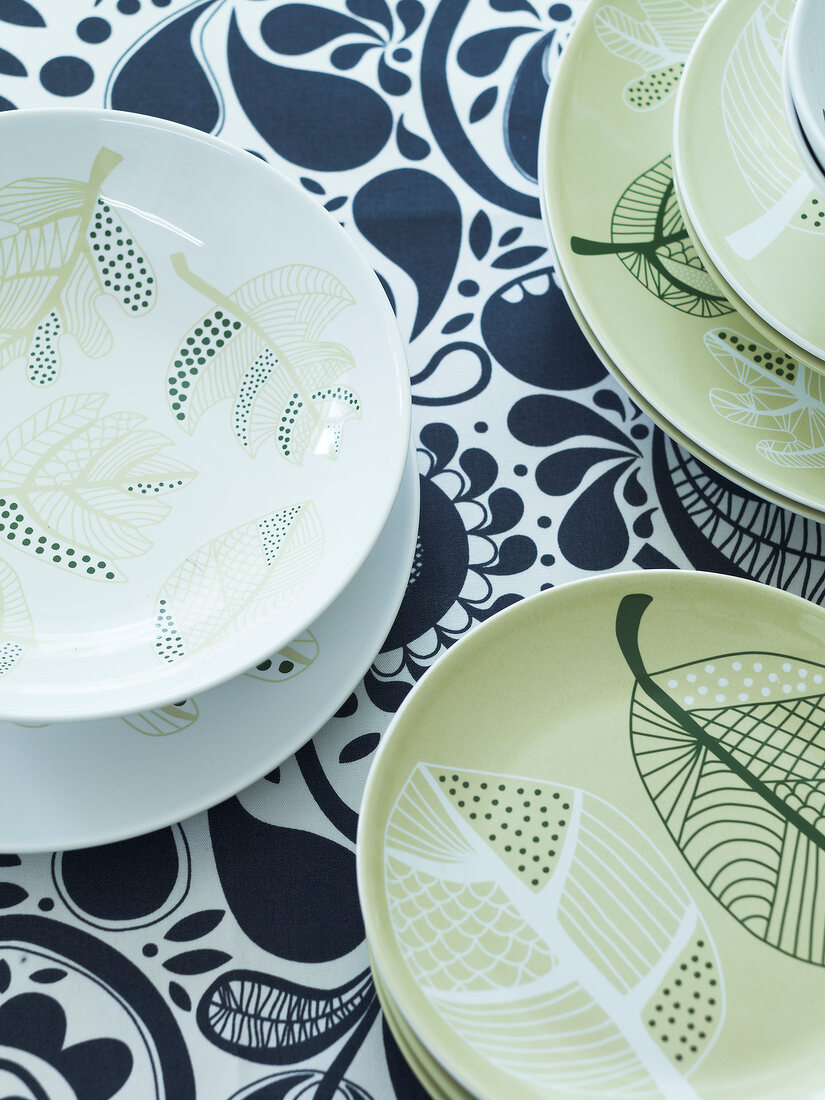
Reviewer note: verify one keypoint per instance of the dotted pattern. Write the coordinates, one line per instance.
(148, 488)
(782, 366)
(202, 343)
(251, 385)
(653, 88)
(287, 426)
(125, 273)
(743, 678)
(273, 531)
(42, 366)
(811, 215)
(168, 642)
(337, 393)
(523, 823)
(16, 529)
(462, 937)
(10, 653)
(684, 1012)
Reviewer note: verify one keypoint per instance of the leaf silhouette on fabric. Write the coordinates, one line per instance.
(67, 248)
(165, 720)
(77, 486)
(549, 933)
(658, 44)
(774, 394)
(753, 112)
(234, 583)
(731, 750)
(265, 1018)
(16, 630)
(261, 348)
(648, 235)
(288, 662)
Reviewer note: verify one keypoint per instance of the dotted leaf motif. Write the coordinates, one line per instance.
(649, 237)
(67, 247)
(731, 751)
(774, 394)
(658, 44)
(288, 662)
(261, 348)
(236, 582)
(550, 934)
(165, 720)
(78, 486)
(753, 111)
(16, 630)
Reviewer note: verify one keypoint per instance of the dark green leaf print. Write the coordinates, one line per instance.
(648, 235)
(731, 750)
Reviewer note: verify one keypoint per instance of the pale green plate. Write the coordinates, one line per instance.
(654, 414)
(591, 855)
(744, 186)
(660, 318)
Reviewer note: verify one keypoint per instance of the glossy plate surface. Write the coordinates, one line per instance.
(747, 193)
(589, 854)
(199, 373)
(804, 75)
(87, 783)
(611, 206)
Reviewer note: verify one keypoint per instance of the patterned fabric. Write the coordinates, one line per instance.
(225, 957)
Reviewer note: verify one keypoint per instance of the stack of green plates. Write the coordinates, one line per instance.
(702, 298)
(591, 855)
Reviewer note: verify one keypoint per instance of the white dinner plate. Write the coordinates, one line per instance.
(204, 412)
(94, 782)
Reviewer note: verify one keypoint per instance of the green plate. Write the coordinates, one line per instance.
(591, 854)
(744, 186)
(612, 209)
(654, 414)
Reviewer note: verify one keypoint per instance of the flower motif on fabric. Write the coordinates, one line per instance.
(592, 461)
(37, 1062)
(457, 555)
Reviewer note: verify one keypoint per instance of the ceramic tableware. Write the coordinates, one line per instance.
(87, 783)
(204, 412)
(804, 79)
(590, 844)
(804, 146)
(745, 189)
(611, 207)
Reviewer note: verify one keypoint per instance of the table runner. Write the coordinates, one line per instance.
(224, 957)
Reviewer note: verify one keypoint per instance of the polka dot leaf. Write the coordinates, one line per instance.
(657, 44)
(166, 720)
(69, 250)
(232, 584)
(544, 971)
(16, 628)
(648, 235)
(261, 348)
(731, 750)
(773, 394)
(288, 662)
(78, 485)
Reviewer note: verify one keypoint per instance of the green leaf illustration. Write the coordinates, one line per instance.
(775, 394)
(236, 582)
(731, 750)
(658, 44)
(549, 933)
(754, 116)
(288, 662)
(65, 247)
(649, 237)
(15, 621)
(261, 348)
(77, 486)
(165, 720)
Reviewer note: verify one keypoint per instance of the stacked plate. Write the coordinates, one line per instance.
(804, 86)
(689, 236)
(590, 853)
(204, 432)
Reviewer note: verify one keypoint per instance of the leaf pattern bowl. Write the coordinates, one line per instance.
(590, 849)
(204, 413)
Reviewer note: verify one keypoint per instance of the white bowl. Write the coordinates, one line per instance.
(204, 412)
(804, 76)
(815, 171)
